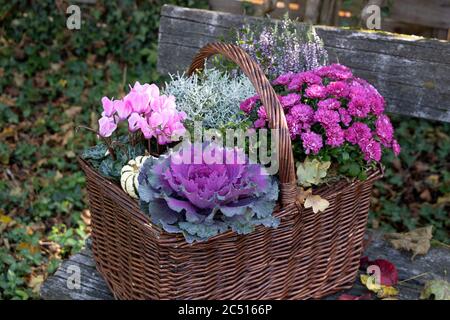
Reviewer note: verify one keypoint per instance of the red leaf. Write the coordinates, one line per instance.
(389, 275)
(345, 296)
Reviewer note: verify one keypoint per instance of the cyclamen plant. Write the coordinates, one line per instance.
(152, 119)
(202, 198)
(146, 111)
(332, 114)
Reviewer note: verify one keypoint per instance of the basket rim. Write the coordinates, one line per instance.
(178, 240)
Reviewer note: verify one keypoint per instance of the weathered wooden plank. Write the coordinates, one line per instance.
(430, 13)
(412, 73)
(433, 265)
(92, 286)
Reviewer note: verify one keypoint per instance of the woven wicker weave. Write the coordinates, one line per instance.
(308, 256)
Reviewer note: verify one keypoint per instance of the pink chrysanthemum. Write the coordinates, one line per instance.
(289, 100)
(357, 132)
(384, 130)
(312, 142)
(248, 104)
(316, 91)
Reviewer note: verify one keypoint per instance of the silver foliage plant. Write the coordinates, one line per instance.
(212, 97)
(283, 47)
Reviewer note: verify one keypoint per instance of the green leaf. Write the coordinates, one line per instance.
(97, 152)
(311, 172)
(354, 169)
(437, 289)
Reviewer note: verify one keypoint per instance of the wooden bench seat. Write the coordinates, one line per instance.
(92, 286)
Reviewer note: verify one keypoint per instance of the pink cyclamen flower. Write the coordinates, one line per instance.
(146, 129)
(151, 90)
(312, 142)
(316, 91)
(108, 107)
(123, 109)
(161, 103)
(138, 101)
(134, 122)
(107, 126)
(165, 121)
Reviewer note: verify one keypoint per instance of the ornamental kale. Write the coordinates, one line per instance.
(331, 115)
(202, 190)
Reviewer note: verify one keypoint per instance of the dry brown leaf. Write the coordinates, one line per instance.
(317, 203)
(433, 179)
(10, 102)
(36, 282)
(86, 216)
(73, 111)
(4, 219)
(27, 246)
(417, 241)
(444, 199)
(426, 195)
(7, 132)
(302, 194)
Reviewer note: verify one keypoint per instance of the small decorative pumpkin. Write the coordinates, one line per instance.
(129, 176)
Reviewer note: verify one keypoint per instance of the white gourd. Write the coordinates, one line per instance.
(129, 176)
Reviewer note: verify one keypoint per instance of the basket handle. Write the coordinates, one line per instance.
(268, 97)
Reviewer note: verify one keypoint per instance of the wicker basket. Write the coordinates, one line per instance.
(308, 256)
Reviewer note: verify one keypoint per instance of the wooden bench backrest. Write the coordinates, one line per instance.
(412, 73)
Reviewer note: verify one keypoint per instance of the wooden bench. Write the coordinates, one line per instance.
(412, 73)
(92, 286)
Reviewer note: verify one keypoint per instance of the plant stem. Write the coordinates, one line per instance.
(415, 277)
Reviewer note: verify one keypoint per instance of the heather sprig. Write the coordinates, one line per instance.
(283, 47)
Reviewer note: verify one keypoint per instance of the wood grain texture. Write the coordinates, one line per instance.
(93, 287)
(412, 73)
(430, 13)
